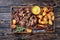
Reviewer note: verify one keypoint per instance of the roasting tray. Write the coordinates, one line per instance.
(38, 30)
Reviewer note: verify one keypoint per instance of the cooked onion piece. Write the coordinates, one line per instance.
(44, 26)
(41, 25)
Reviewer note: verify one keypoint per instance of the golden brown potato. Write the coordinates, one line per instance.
(39, 16)
(53, 18)
(14, 21)
(49, 16)
(42, 22)
(50, 22)
(45, 18)
(44, 13)
(39, 21)
(51, 13)
(13, 26)
(28, 30)
(45, 9)
(40, 25)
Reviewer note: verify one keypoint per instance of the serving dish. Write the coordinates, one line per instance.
(32, 19)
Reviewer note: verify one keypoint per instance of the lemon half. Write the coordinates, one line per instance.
(36, 10)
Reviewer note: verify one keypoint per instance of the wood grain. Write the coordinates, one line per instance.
(5, 32)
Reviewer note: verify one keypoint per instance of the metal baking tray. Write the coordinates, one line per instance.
(25, 20)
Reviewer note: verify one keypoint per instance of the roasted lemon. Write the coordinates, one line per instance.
(36, 10)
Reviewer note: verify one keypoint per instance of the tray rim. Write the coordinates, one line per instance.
(32, 6)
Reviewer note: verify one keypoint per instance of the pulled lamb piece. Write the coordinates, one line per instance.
(22, 23)
(27, 10)
(21, 13)
(24, 17)
(32, 21)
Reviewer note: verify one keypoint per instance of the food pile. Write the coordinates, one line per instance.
(27, 19)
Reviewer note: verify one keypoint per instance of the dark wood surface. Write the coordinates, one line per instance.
(5, 31)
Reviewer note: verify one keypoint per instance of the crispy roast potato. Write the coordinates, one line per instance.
(44, 13)
(53, 18)
(13, 26)
(39, 16)
(50, 22)
(45, 9)
(14, 21)
(28, 30)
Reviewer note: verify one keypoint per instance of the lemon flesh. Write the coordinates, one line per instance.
(36, 10)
